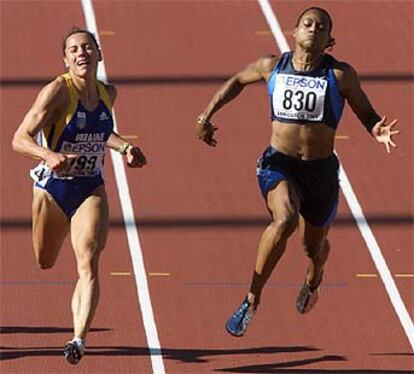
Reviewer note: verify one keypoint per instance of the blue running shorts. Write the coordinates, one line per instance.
(316, 183)
(69, 194)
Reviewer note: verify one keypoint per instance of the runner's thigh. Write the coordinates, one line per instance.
(90, 224)
(50, 226)
(283, 201)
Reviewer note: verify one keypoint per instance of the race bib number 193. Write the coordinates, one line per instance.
(89, 160)
(84, 165)
(301, 98)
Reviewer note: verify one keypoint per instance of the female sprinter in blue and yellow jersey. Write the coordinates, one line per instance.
(67, 129)
(81, 135)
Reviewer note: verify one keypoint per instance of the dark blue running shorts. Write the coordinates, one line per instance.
(69, 194)
(316, 183)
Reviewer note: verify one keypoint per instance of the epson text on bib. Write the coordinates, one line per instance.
(298, 97)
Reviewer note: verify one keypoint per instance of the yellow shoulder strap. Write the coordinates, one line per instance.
(103, 94)
(65, 119)
(73, 93)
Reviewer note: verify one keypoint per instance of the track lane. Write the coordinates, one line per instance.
(35, 307)
(209, 251)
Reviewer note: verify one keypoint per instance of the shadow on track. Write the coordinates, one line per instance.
(42, 330)
(201, 356)
(216, 223)
(181, 355)
(187, 80)
(275, 367)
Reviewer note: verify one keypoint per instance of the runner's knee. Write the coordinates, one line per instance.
(45, 265)
(88, 261)
(45, 262)
(88, 269)
(285, 224)
(313, 250)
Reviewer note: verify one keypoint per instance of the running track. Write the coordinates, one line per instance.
(198, 210)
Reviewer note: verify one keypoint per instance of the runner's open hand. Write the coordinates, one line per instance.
(205, 131)
(383, 133)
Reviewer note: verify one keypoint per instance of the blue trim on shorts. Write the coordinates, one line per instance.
(268, 179)
(332, 216)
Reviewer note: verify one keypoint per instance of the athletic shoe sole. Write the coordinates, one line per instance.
(308, 296)
(72, 353)
(240, 320)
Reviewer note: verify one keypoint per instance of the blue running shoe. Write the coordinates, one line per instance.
(240, 320)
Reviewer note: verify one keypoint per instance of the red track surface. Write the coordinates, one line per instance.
(198, 210)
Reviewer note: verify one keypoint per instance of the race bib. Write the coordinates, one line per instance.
(40, 174)
(89, 162)
(301, 98)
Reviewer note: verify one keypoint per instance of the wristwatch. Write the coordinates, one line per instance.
(123, 148)
(202, 119)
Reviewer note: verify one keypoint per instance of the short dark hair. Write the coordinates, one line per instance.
(331, 42)
(77, 30)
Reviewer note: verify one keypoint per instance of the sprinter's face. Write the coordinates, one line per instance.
(313, 31)
(81, 54)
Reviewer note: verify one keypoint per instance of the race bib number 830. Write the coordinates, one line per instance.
(301, 98)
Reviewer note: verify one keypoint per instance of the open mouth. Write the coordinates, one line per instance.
(82, 63)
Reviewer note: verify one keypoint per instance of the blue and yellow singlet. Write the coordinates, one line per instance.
(83, 133)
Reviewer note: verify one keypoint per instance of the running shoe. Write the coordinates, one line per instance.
(308, 296)
(74, 351)
(240, 320)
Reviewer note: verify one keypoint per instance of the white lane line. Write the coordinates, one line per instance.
(274, 25)
(377, 257)
(131, 229)
(355, 207)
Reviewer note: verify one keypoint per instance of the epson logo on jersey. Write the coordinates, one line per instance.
(84, 147)
(294, 81)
